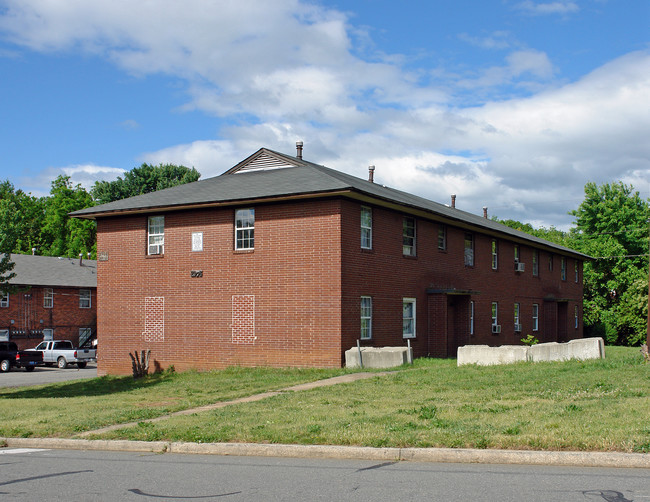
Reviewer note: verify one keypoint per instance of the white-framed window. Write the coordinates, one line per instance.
(84, 336)
(516, 253)
(535, 317)
(575, 268)
(4, 300)
(517, 319)
(563, 268)
(408, 236)
(245, 228)
(48, 335)
(442, 237)
(535, 262)
(495, 313)
(471, 317)
(156, 235)
(495, 254)
(408, 318)
(469, 250)
(84, 299)
(48, 298)
(366, 227)
(366, 317)
(4, 335)
(575, 316)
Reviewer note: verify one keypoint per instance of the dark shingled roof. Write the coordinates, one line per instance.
(53, 272)
(268, 175)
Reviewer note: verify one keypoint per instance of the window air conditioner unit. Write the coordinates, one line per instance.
(158, 249)
(519, 267)
(518, 328)
(496, 328)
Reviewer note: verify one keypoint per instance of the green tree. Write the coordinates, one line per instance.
(8, 235)
(144, 179)
(28, 217)
(612, 226)
(551, 234)
(62, 235)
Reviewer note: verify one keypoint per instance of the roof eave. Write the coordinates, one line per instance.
(206, 205)
(354, 193)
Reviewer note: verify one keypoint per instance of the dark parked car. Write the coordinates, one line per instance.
(10, 356)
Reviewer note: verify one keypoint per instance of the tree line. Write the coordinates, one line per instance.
(42, 225)
(611, 225)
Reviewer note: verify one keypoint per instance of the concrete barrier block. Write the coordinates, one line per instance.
(587, 348)
(378, 357)
(551, 351)
(582, 349)
(484, 355)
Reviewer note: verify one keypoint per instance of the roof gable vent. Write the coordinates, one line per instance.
(263, 162)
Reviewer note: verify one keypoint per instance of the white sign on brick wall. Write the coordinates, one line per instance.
(197, 241)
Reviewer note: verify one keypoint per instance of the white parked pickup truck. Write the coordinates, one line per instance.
(62, 352)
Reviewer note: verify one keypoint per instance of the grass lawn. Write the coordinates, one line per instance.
(593, 405)
(65, 409)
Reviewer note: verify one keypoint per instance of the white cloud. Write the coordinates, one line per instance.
(129, 124)
(208, 157)
(80, 174)
(292, 67)
(545, 8)
(496, 40)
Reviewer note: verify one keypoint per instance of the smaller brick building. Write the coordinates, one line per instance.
(53, 299)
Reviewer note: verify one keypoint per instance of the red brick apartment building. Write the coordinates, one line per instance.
(54, 299)
(282, 262)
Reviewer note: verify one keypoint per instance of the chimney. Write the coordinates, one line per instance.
(299, 149)
(453, 200)
(484, 211)
(81, 259)
(371, 174)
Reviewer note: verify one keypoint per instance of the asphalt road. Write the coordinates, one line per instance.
(45, 374)
(120, 476)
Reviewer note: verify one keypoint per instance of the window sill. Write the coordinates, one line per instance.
(410, 256)
(368, 250)
(154, 256)
(243, 251)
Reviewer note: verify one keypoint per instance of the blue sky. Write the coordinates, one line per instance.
(510, 104)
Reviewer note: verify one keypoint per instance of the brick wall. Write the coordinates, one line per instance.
(295, 299)
(278, 305)
(388, 276)
(30, 317)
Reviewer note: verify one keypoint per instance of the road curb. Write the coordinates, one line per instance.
(440, 455)
(86, 444)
